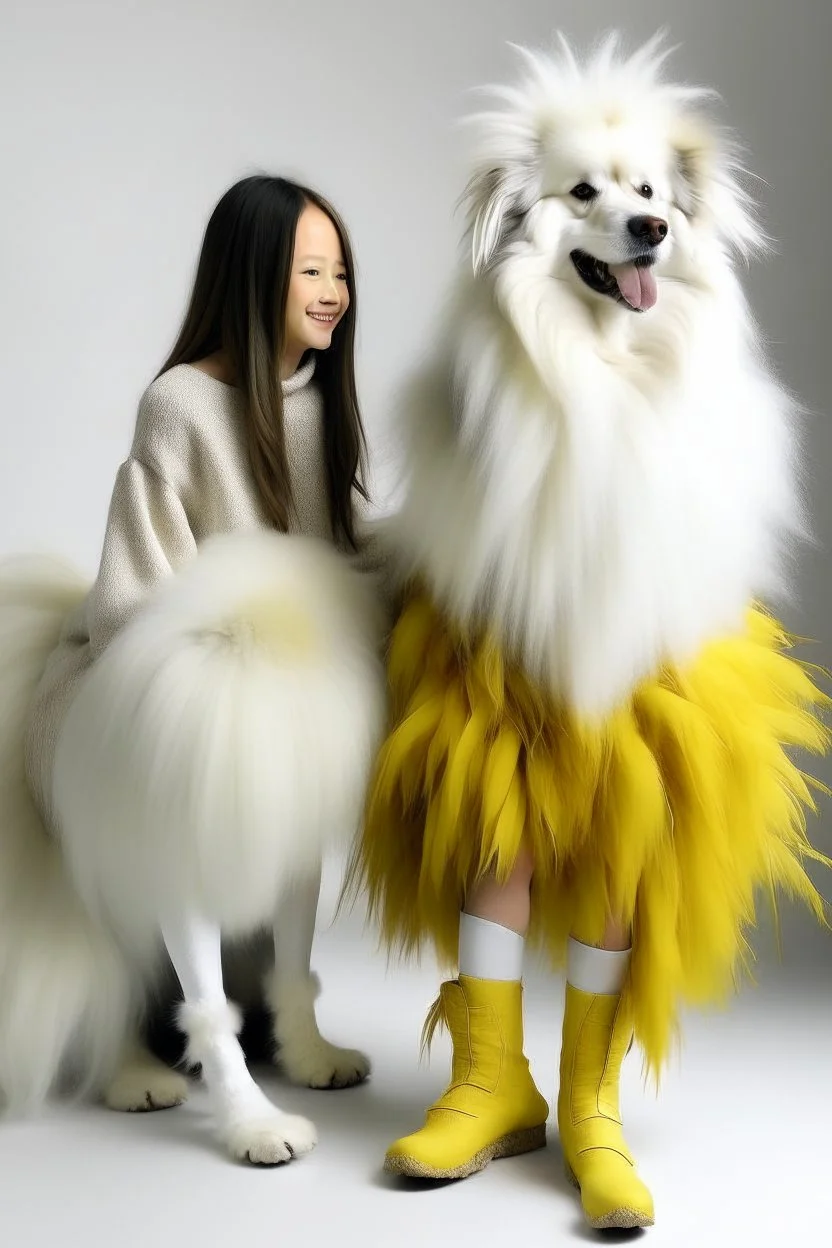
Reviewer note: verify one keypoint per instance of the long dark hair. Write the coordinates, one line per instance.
(238, 305)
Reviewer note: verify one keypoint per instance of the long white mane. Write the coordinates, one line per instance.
(604, 492)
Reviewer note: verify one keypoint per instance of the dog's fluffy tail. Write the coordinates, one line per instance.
(223, 741)
(63, 987)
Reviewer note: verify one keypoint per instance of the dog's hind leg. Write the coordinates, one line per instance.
(251, 1127)
(302, 1052)
(143, 1083)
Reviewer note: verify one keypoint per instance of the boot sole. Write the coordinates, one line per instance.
(617, 1219)
(509, 1146)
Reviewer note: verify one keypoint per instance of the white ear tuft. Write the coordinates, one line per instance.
(489, 216)
(707, 184)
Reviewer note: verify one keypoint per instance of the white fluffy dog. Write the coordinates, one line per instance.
(208, 760)
(601, 464)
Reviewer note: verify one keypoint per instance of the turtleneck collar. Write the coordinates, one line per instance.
(300, 378)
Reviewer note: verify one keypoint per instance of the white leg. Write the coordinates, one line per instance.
(303, 1053)
(250, 1125)
(143, 1083)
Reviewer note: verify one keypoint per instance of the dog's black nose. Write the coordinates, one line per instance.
(650, 230)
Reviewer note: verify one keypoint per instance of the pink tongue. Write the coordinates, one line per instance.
(637, 285)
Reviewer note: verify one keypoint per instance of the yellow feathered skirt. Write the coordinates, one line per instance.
(671, 814)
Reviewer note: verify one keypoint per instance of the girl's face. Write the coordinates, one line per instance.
(318, 293)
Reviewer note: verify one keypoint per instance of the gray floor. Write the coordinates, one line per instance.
(736, 1147)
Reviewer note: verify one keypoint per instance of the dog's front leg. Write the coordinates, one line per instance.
(249, 1124)
(305, 1056)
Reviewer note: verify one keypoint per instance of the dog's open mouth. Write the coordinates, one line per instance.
(633, 284)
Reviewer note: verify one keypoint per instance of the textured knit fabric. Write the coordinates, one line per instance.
(186, 478)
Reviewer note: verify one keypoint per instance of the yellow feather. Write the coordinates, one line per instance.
(498, 772)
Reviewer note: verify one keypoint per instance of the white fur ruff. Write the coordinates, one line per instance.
(605, 489)
(65, 993)
(223, 741)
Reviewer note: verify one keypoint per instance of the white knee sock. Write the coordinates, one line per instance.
(488, 951)
(596, 970)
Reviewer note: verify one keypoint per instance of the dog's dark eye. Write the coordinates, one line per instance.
(584, 192)
(645, 190)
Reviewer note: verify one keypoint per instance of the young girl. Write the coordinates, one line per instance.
(197, 726)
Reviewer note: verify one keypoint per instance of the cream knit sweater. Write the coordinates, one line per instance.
(187, 477)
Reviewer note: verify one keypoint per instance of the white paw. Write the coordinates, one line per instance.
(143, 1086)
(319, 1064)
(270, 1139)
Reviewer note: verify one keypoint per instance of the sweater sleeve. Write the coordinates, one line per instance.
(373, 555)
(147, 538)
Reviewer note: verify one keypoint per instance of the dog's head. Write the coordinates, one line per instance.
(609, 176)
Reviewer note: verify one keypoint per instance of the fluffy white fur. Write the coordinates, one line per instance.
(65, 992)
(221, 744)
(606, 488)
(211, 757)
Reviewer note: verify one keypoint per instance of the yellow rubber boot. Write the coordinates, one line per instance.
(491, 1108)
(596, 1037)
